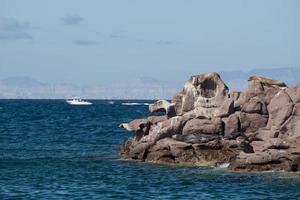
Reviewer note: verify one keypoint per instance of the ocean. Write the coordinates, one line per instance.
(52, 150)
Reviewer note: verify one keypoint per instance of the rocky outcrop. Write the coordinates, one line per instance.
(258, 129)
(202, 95)
(163, 106)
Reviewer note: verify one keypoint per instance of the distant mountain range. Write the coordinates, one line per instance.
(143, 88)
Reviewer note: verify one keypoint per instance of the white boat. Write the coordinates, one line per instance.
(78, 101)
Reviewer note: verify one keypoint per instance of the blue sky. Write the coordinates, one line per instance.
(93, 41)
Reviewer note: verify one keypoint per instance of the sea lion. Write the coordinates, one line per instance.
(267, 81)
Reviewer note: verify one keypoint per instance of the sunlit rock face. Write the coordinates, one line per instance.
(258, 129)
(202, 95)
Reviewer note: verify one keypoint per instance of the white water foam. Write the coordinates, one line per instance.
(135, 104)
(224, 165)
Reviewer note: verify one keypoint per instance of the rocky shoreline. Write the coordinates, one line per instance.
(205, 124)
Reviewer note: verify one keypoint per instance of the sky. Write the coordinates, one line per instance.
(96, 41)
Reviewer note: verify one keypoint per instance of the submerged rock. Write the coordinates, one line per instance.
(258, 129)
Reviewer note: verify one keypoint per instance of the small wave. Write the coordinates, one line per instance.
(135, 104)
(111, 102)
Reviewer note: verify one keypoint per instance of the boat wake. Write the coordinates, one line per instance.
(135, 104)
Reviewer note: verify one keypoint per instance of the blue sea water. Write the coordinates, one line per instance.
(51, 150)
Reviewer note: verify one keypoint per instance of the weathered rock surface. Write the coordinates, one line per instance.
(202, 94)
(163, 106)
(232, 126)
(258, 129)
(203, 126)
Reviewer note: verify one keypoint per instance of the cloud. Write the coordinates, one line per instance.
(71, 20)
(11, 29)
(164, 42)
(85, 42)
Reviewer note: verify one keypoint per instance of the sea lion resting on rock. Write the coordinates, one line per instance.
(267, 81)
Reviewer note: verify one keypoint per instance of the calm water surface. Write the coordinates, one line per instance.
(51, 150)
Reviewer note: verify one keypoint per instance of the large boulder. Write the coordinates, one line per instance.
(251, 122)
(203, 126)
(267, 157)
(255, 105)
(280, 108)
(164, 129)
(202, 94)
(291, 128)
(232, 127)
(133, 149)
(168, 150)
(289, 114)
(226, 108)
(156, 119)
(294, 93)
